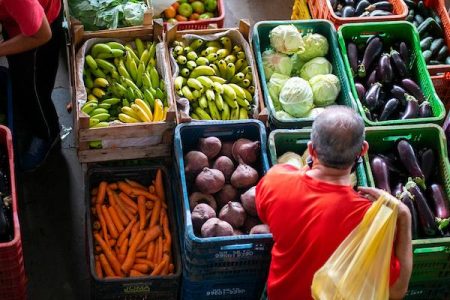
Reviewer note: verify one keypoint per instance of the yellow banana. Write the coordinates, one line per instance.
(196, 94)
(203, 102)
(251, 89)
(140, 113)
(194, 116)
(211, 50)
(165, 110)
(238, 77)
(187, 93)
(202, 71)
(249, 76)
(127, 119)
(192, 55)
(100, 48)
(232, 103)
(242, 102)
(210, 95)
(238, 90)
(219, 101)
(202, 61)
(178, 83)
(216, 44)
(213, 110)
(230, 59)
(144, 106)
(158, 113)
(218, 79)
(222, 53)
(231, 70)
(90, 61)
(185, 72)
(181, 60)
(243, 113)
(226, 43)
(191, 65)
(225, 115)
(203, 115)
(244, 83)
(139, 46)
(218, 87)
(99, 93)
(101, 82)
(92, 98)
(205, 81)
(248, 96)
(222, 69)
(196, 44)
(215, 68)
(195, 84)
(130, 112)
(229, 91)
(234, 114)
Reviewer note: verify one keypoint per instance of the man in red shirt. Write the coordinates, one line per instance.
(311, 211)
(33, 36)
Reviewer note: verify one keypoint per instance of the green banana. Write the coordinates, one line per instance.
(154, 77)
(218, 79)
(98, 111)
(243, 113)
(238, 77)
(139, 46)
(230, 59)
(102, 116)
(187, 93)
(219, 101)
(202, 61)
(218, 87)
(214, 112)
(179, 82)
(104, 105)
(232, 103)
(192, 55)
(105, 65)
(88, 79)
(146, 81)
(225, 115)
(116, 45)
(89, 107)
(195, 84)
(90, 61)
(148, 96)
(202, 114)
(197, 43)
(140, 74)
(194, 116)
(111, 101)
(210, 95)
(202, 71)
(205, 81)
(234, 114)
(231, 69)
(100, 48)
(203, 102)
(226, 42)
(191, 65)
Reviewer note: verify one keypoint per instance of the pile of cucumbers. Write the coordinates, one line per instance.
(216, 79)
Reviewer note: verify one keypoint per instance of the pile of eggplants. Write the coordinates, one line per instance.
(383, 80)
(6, 225)
(362, 8)
(429, 26)
(413, 177)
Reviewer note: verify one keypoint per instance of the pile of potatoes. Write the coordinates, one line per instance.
(223, 180)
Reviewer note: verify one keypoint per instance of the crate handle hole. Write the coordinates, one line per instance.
(237, 247)
(432, 250)
(397, 137)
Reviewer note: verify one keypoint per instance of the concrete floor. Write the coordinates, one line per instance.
(51, 200)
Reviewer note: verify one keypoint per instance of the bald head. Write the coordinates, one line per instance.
(337, 136)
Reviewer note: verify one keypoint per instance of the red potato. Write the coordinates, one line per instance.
(233, 213)
(210, 146)
(210, 181)
(200, 214)
(216, 227)
(224, 165)
(195, 161)
(247, 150)
(244, 176)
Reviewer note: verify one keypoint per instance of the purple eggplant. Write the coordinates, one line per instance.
(373, 77)
(380, 173)
(380, 13)
(373, 49)
(412, 108)
(361, 90)
(361, 7)
(426, 217)
(440, 202)
(372, 96)
(406, 198)
(392, 164)
(425, 110)
(399, 64)
(389, 108)
(348, 11)
(386, 73)
(397, 189)
(412, 88)
(382, 5)
(409, 160)
(399, 93)
(352, 52)
(404, 52)
(427, 163)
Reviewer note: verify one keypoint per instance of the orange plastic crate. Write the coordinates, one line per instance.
(321, 9)
(204, 24)
(441, 80)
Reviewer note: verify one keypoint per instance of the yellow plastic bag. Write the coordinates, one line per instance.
(360, 266)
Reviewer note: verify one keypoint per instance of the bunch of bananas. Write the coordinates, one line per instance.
(122, 83)
(216, 79)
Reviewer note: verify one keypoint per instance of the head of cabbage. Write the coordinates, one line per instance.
(316, 45)
(274, 62)
(274, 86)
(286, 39)
(325, 89)
(316, 66)
(296, 97)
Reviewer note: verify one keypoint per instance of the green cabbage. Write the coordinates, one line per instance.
(316, 66)
(296, 97)
(282, 115)
(316, 45)
(274, 86)
(274, 62)
(315, 112)
(286, 39)
(133, 13)
(325, 89)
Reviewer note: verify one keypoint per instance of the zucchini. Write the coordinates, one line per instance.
(425, 43)
(427, 56)
(436, 45)
(429, 26)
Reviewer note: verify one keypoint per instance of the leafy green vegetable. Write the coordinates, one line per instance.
(275, 85)
(274, 62)
(325, 89)
(316, 66)
(286, 39)
(296, 97)
(316, 45)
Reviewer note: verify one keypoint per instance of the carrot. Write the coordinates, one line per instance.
(171, 268)
(159, 187)
(94, 191)
(125, 187)
(141, 254)
(98, 208)
(141, 210)
(161, 215)
(159, 250)
(98, 267)
(109, 254)
(125, 208)
(152, 189)
(159, 268)
(98, 249)
(130, 203)
(126, 232)
(112, 242)
(168, 241)
(143, 268)
(111, 199)
(93, 200)
(124, 247)
(135, 184)
(113, 186)
(145, 261)
(151, 250)
(131, 255)
(134, 230)
(155, 214)
(151, 234)
(121, 258)
(149, 204)
(165, 271)
(135, 273)
(101, 192)
(115, 218)
(113, 277)
(106, 266)
(109, 223)
(139, 192)
(120, 211)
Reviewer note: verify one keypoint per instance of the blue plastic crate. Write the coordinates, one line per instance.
(219, 257)
(6, 94)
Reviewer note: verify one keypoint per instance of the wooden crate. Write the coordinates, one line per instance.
(172, 34)
(159, 135)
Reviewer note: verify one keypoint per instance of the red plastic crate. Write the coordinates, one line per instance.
(12, 271)
(203, 24)
(321, 9)
(441, 81)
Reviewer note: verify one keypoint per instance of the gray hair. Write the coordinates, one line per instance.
(337, 136)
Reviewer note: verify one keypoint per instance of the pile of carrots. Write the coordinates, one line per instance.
(131, 229)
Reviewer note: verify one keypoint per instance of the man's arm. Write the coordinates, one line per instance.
(22, 43)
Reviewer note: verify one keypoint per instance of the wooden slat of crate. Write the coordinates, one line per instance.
(244, 28)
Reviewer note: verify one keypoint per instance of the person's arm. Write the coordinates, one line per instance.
(21, 43)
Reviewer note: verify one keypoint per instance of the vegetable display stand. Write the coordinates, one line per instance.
(441, 83)
(216, 22)
(221, 262)
(431, 256)
(141, 287)
(12, 271)
(284, 140)
(123, 140)
(261, 42)
(390, 32)
(322, 9)
(300, 10)
(258, 110)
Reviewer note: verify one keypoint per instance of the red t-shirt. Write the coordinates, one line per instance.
(25, 16)
(309, 219)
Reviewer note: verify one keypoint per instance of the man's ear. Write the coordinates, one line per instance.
(311, 150)
(365, 148)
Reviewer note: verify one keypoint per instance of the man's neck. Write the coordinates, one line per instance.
(331, 175)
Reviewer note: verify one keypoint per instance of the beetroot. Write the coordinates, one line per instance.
(197, 198)
(237, 232)
(224, 165)
(216, 227)
(244, 176)
(246, 150)
(227, 149)
(260, 229)
(194, 162)
(249, 223)
(200, 214)
(226, 194)
(233, 213)
(210, 146)
(248, 201)
(210, 181)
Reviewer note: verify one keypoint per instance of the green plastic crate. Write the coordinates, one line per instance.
(261, 42)
(431, 256)
(284, 140)
(397, 31)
